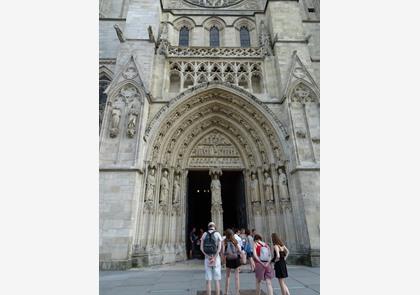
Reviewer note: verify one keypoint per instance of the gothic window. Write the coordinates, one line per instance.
(214, 37)
(245, 39)
(184, 36)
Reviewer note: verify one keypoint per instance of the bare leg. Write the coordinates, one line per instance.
(283, 287)
(237, 281)
(208, 287)
(269, 287)
(258, 288)
(252, 264)
(217, 287)
(227, 280)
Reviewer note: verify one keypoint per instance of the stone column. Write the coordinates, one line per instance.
(216, 198)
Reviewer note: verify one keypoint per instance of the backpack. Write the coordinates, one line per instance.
(265, 254)
(210, 244)
(231, 252)
(247, 246)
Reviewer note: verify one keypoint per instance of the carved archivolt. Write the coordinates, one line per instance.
(246, 99)
(245, 136)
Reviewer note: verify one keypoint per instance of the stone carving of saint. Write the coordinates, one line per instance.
(268, 187)
(115, 121)
(133, 115)
(151, 183)
(283, 193)
(216, 192)
(255, 196)
(164, 188)
(177, 190)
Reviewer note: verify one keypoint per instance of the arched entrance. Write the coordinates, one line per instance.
(221, 131)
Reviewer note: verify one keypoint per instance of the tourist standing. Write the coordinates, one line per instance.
(231, 251)
(249, 246)
(193, 241)
(211, 244)
(279, 259)
(263, 269)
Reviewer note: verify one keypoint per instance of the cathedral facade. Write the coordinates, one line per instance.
(208, 111)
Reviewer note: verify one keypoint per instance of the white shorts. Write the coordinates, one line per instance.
(213, 273)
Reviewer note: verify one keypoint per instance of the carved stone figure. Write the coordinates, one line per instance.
(177, 190)
(151, 183)
(268, 187)
(164, 188)
(265, 40)
(216, 191)
(115, 121)
(255, 193)
(283, 191)
(133, 115)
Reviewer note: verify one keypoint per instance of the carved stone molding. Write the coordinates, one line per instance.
(303, 94)
(270, 207)
(210, 85)
(213, 3)
(212, 52)
(249, 135)
(148, 206)
(301, 133)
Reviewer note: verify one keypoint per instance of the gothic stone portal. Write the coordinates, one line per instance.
(238, 146)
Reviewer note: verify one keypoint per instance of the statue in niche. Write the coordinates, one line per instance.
(283, 192)
(177, 190)
(151, 183)
(164, 188)
(216, 191)
(265, 40)
(255, 196)
(268, 187)
(133, 115)
(115, 121)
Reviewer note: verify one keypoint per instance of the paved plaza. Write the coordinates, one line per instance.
(187, 278)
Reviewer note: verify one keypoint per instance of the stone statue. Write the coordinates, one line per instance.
(265, 40)
(151, 183)
(255, 195)
(164, 188)
(268, 187)
(177, 190)
(115, 121)
(216, 192)
(133, 114)
(283, 192)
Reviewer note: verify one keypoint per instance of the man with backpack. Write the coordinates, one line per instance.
(211, 244)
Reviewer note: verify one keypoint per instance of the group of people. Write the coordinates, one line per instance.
(234, 249)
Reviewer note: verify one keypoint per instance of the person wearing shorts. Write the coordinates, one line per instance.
(263, 269)
(212, 264)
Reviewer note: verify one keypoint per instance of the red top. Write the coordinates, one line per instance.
(258, 248)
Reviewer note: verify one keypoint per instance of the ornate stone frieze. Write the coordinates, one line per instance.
(213, 3)
(245, 74)
(215, 150)
(212, 52)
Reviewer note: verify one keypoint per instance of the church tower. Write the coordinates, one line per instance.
(209, 111)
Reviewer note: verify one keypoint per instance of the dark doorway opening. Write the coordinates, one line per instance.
(233, 199)
(198, 206)
(199, 203)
